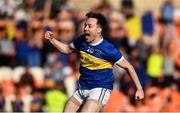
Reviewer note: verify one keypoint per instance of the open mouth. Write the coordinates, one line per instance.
(86, 34)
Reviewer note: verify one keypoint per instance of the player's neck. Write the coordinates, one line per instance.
(96, 40)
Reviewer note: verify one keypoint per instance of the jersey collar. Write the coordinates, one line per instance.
(97, 43)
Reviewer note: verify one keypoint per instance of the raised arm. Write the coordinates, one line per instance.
(126, 65)
(64, 48)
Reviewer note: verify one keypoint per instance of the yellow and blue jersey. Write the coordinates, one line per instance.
(96, 63)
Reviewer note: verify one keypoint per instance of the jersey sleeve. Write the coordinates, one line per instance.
(76, 44)
(115, 55)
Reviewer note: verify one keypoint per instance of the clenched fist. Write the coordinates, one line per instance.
(139, 94)
(48, 35)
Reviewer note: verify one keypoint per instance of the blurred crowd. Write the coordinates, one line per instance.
(36, 77)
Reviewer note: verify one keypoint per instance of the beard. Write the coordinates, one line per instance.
(89, 38)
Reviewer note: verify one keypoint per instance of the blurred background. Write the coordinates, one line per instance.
(36, 77)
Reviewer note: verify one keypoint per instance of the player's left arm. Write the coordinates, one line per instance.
(126, 65)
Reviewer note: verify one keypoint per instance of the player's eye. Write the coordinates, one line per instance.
(85, 24)
(90, 26)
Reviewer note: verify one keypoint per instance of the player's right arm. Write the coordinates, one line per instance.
(64, 48)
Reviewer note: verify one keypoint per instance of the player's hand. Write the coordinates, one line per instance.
(139, 95)
(48, 35)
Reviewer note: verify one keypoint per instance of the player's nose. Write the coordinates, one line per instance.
(85, 28)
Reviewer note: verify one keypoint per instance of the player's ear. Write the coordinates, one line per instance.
(99, 30)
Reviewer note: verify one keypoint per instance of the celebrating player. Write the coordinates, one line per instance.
(97, 57)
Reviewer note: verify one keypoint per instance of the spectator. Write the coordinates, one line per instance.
(2, 103)
(7, 51)
(37, 102)
(55, 93)
(25, 87)
(35, 44)
(167, 12)
(7, 8)
(21, 44)
(155, 66)
(66, 33)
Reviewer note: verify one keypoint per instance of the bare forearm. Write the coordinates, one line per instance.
(126, 65)
(64, 48)
(134, 77)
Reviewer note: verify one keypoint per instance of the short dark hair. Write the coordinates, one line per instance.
(101, 20)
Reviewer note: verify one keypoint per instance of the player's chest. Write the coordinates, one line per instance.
(93, 50)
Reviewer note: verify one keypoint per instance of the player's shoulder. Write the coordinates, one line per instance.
(80, 39)
(82, 36)
(108, 45)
